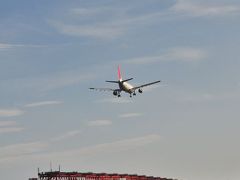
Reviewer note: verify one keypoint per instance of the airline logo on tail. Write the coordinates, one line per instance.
(119, 74)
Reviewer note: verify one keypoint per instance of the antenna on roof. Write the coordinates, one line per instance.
(51, 166)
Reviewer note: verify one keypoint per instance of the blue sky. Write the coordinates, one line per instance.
(52, 51)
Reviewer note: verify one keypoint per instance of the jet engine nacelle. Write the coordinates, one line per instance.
(140, 90)
(115, 93)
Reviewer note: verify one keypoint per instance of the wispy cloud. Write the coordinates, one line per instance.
(186, 54)
(207, 97)
(183, 54)
(19, 150)
(116, 146)
(121, 145)
(7, 46)
(43, 103)
(111, 22)
(10, 129)
(101, 22)
(11, 152)
(66, 135)
(85, 12)
(130, 115)
(97, 11)
(10, 112)
(95, 31)
(114, 100)
(199, 8)
(7, 123)
(48, 82)
(100, 123)
(62, 80)
(36, 150)
(86, 25)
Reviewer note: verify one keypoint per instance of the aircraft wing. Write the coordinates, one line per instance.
(104, 89)
(144, 85)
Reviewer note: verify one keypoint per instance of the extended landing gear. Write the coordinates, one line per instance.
(134, 94)
(116, 93)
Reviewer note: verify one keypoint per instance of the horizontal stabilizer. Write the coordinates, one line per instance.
(127, 80)
(103, 89)
(112, 81)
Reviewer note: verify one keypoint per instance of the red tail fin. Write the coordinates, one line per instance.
(119, 73)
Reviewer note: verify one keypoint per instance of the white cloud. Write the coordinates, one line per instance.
(97, 11)
(111, 22)
(62, 80)
(143, 60)
(11, 152)
(102, 22)
(105, 31)
(66, 135)
(209, 97)
(36, 150)
(121, 145)
(130, 115)
(10, 112)
(85, 12)
(10, 129)
(19, 150)
(204, 9)
(43, 103)
(183, 54)
(190, 98)
(7, 46)
(94, 22)
(100, 123)
(7, 123)
(116, 146)
(49, 82)
(114, 100)
(186, 54)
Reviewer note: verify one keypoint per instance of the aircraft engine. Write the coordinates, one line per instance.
(140, 90)
(115, 93)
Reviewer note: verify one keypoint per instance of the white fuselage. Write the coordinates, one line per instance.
(124, 86)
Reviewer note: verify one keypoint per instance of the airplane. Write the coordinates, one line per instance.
(124, 86)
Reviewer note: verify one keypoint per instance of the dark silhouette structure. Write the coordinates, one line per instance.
(57, 175)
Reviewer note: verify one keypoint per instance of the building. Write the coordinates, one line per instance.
(57, 175)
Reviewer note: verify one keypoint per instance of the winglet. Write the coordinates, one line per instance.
(119, 73)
